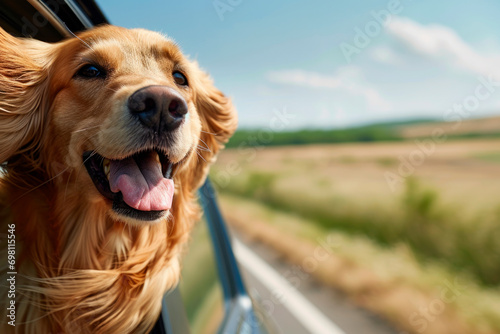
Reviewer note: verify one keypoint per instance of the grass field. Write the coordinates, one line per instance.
(439, 199)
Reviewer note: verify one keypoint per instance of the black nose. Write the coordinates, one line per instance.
(159, 108)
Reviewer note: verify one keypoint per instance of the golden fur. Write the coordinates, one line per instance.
(80, 268)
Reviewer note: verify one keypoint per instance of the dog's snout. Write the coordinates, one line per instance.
(160, 108)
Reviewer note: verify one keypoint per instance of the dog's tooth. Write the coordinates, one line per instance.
(106, 166)
(157, 156)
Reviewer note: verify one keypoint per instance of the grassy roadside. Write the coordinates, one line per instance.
(433, 231)
(416, 297)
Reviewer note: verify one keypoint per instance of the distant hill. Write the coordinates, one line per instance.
(388, 131)
(481, 127)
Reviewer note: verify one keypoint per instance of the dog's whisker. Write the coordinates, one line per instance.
(210, 133)
(175, 173)
(178, 168)
(111, 89)
(41, 184)
(75, 36)
(201, 156)
(206, 145)
(94, 152)
(203, 149)
(52, 178)
(79, 169)
(67, 185)
(91, 127)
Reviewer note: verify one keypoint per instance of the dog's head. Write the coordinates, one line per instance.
(115, 115)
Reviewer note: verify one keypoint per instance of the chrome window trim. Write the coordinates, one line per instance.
(56, 22)
(79, 14)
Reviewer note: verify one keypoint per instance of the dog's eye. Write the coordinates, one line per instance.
(179, 78)
(91, 71)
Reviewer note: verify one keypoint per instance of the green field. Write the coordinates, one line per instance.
(390, 131)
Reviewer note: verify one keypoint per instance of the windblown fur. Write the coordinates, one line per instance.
(79, 268)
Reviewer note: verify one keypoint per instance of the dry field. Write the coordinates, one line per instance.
(433, 207)
(466, 173)
(489, 125)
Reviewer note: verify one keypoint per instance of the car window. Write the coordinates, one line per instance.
(200, 286)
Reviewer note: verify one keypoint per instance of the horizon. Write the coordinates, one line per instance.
(392, 121)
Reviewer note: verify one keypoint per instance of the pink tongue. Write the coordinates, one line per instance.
(141, 183)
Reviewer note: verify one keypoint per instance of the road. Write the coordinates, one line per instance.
(285, 291)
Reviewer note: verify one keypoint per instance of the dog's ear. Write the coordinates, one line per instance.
(23, 98)
(217, 113)
(218, 118)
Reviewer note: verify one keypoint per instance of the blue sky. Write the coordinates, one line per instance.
(420, 61)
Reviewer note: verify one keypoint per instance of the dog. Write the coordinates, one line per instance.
(104, 140)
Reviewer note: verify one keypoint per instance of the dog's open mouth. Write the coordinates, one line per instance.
(140, 186)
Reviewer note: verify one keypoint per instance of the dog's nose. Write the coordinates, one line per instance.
(160, 108)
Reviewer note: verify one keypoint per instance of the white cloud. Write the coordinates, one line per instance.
(304, 78)
(444, 44)
(385, 55)
(348, 79)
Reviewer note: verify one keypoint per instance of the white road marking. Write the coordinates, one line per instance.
(306, 313)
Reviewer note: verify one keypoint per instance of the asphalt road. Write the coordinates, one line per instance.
(287, 295)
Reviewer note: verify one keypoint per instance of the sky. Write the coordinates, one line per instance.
(336, 64)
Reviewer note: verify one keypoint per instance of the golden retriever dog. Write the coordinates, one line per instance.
(104, 140)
